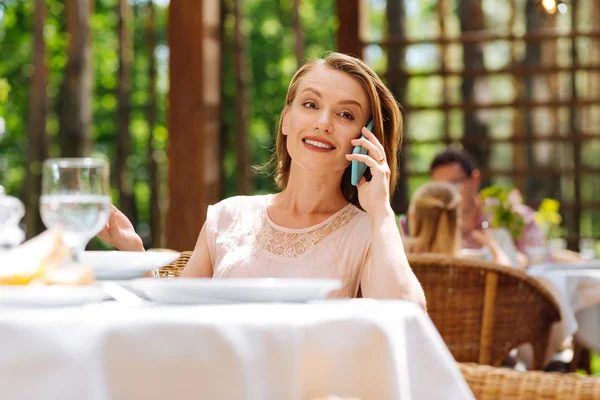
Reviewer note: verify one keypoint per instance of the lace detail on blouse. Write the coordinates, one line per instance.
(295, 244)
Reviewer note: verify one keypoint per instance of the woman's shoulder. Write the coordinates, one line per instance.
(360, 216)
(236, 206)
(234, 209)
(236, 201)
(355, 236)
(359, 223)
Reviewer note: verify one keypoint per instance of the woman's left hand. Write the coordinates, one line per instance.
(374, 195)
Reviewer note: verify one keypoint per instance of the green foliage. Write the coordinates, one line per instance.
(271, 59)
(16, 54)
(4, 90)
(15, 69)
(273, 63)
(595, 364)
(500, 206)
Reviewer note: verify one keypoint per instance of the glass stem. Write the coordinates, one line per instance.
(76, 254)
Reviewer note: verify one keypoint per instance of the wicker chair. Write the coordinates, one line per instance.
(483, 310)
(491, 383)
(174, 269)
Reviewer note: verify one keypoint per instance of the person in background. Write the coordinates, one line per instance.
(435, 223)
(319, 225)
(458, 168)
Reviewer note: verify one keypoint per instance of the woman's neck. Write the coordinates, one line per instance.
(307, 194)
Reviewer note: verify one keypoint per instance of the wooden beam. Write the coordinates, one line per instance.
(349, 22)
(193, 118)
(478, 36)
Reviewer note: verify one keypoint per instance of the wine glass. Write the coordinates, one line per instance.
(587, 249)
(11, 212)
(75, 196)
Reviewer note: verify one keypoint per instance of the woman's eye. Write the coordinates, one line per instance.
(309, 104)
(347, 115)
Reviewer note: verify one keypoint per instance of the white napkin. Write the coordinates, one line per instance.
(33, 258)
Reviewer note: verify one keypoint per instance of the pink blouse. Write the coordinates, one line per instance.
(243, 242)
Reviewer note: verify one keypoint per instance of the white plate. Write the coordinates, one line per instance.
(203, 291)
(49, 296)
(591, 264)
(483, 253)
(125, 264)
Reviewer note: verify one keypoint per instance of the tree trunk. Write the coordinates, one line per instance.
(193, 117)
(75, 115)
(37, 143)
(156, 201)
(396, 21)
(471, 19)
(298, 32)
(123, 173)
(242, 80)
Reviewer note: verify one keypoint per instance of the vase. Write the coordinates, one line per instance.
(507, 244)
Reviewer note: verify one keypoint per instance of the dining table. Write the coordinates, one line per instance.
(576, 287)
(351, 348)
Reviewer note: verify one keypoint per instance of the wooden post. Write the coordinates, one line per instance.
(193, 118)
(574, 225)
(349, 27)
(534, 190)
(487, 323)
(475, 134)
(396, 21)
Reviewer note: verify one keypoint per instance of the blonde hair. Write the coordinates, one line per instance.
(435, 219)
(385, 113)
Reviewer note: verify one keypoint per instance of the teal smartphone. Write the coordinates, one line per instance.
(359, 167)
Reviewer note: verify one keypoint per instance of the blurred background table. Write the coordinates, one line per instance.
(577, 290)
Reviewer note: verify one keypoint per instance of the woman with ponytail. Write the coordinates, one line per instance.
(435, 223)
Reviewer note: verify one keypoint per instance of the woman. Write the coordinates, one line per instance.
(435, 223)
(319, 225)
(434, 220)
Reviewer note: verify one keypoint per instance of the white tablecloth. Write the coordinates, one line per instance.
(363, 348)
(577, 291)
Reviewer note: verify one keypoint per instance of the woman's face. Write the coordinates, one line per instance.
(329, 110)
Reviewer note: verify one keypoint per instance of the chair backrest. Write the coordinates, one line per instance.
(174, 269)
(490, 383)
(483, 310)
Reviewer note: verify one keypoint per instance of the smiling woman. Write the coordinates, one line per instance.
(319, 225)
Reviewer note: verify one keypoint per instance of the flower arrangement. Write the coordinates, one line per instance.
(549, 219)
(499, 205)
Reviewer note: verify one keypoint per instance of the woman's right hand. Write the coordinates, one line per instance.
(486, 237)
(119, 232)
